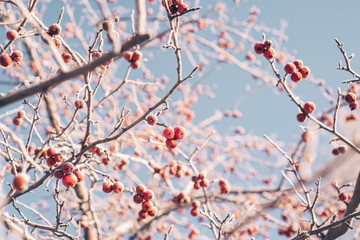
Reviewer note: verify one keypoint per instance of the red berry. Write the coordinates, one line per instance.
(135, 64)
(11, 35)
(225, 190)
(67, 168)
(20, 182)
(171, 143)
(179, 132)
(58, 174)
(169, 133)
(269, 53)
(118, 187)
(335, 152)
(305, 72)
(147, 206)
(148, 195)
(17, 121)
(343, 197)
(51, 152)
(299, 64)
(16, 56)
(195, 212)
(95, 55)
(100, 152)
(128, 56)
(307, 136)
(204, 183)
(50, 161)
(151, 120)
(143, 214)
(107, 187)
(105, 160)
(195, 204)
(54, 29)
(350, 97)
(137, 56)
(309, 107)
(5, 60)
(353, 106)
(66, 57)
(290, 68)
(138, 198)
(58, 157)
(296, 77)
(153, 212)
(57, 42)
(69, 180)
(196, 185)
(342, 149)
(140, 189)
(21, 114)
(80, 104)
(268, 43)
(259, 48)
(79, 175)
(182, 8)
(223, 183)
(301, 117)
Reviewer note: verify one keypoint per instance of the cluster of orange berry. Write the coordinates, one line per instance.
(181, 198)
(116, 187)
(350, 98)
(52, 157)
(144, 197)
(224, 186)
(176, 6)
(200, 181)
(309, 107)
(172, 135)
(265, 48)
(69, 175)
(19, 118)
(133, 58)
(195, 210)
(15, 56)
(297, 70)
(178, 170)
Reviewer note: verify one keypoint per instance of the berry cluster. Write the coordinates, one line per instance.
(200, 181)
(116, 187)
(181, 198)
(339, 150)
(144, 197)
(309, 107)
(195, 211)
(265, 48)
(176, 6)
(297, 70)
(52, 157)
(133, 58)
(19, 118)
(69, 175)
(178, 170)
(350, 98)
(172, 135)
(15, 56)
(224, 186)
(99, 151)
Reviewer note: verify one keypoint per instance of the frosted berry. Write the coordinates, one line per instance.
(305, 72)
(353, 106)
(118, 187)
(151, 120)
(307, 136)
(195, 204)
(195, 212)
(20, 182)
(11, 35)
(58, 174)
(57, 42)
(54, 29)
(269, 53)
(80, 104)
(168, 133)
(299, 64)
(67, 168)
(50, 161)
(182, 8)
(147, 206)
(138, 198)
(309, 107)
(17, 121)
(79, 175)
(268, 43)
(17, 56)
(128, 56)
(140, 189)
(21, 114)
(301, 117)
(143, 214)
(51, 152)
(153, 212)
(5, 60)
(148, 195)
(179, 132)
(66, 57)
(350, 97)
(259, 48)
(135, 64)
(296, 77)
(137, 56)
(107, 187)
(290, 68)
(171, 143)
(69, 180)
